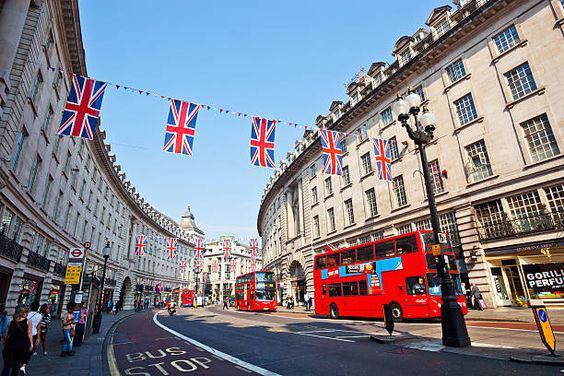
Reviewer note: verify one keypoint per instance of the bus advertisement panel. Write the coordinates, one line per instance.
(400, 271)
(255, 291)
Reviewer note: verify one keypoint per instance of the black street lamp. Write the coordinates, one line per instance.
(421, 132)
(98, 317)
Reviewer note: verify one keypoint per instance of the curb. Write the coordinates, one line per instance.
(111, 369)
(545, 360)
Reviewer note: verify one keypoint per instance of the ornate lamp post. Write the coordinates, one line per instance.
(420, 130)
(98, 317)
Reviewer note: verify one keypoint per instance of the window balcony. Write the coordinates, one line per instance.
(38, 261)
(59, 269)
(525, 225)
(9, 248)
(111, 282)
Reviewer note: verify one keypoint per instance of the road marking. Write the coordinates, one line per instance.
(114, 370)
(316, 336)
(359, 336)
(229, 358)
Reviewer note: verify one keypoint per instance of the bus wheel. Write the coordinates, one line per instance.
(397, 313)
(334, 311)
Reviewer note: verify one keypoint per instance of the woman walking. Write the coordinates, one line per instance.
(18, 344)
(68, 331)
(45, 320)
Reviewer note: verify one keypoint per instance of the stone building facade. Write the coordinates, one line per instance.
(218, 275)
(58, 192)
(491, 73)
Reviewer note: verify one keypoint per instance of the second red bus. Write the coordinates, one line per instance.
(187, 298)
(255, 291)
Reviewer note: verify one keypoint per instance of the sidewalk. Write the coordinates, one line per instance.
(517, 314)
(87, 359)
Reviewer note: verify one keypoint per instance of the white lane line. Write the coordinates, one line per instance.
(359, 336)
(324, 337)
(229, 358)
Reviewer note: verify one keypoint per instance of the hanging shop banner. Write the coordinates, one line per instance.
(545, 281)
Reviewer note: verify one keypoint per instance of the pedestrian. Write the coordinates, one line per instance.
(45, 320)
(35, 316)
(477, 295)
(68, 331)
(306, 298)
(79, 330)
(225, 303)
(118, 306)
(18, 343)
(4, 320)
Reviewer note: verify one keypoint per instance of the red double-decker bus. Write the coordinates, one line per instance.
(187, 298)
(400, 271)
(255, 291)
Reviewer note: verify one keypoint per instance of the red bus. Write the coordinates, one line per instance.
(255, 291)
(399, 270)
(187, 298)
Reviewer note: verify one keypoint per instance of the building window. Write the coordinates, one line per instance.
(36, 86)
(312, 171)
(35, 170)
(328, 186)
(314, 198)
(555, 196)
(399, 191)
(490, 213)
(540, 139)
(316, 232)
(19, 147)
(506, 39)
(378, 236)
(346, 176)
(393, 145)
(371, 200)
(436, 176)
(404, 229)
(349, 210)
(419, 91)
(456, 71)
(521, 81)
(442, 27)
(45, 200)
(68, 216)
(525, 205)
(362, 134)
(47, 120)
(331, 219)
(58, 206)
(465, 109)
(387, 117)
(344, 144)
(405, 56)
(424, 224)
(366, 163)
(478, 165)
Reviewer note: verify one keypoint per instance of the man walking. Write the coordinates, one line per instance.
(306, 298)
(225, 303)
(477, 295)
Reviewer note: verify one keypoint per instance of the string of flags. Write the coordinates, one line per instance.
(82, 111)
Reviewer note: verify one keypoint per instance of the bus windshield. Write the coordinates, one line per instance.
(267, 294)
(265, 277)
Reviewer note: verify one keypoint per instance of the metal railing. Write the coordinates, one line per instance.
(525, 225)
(9, 248)
(38, 261)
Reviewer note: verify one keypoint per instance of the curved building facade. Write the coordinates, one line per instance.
(491, 73)
(57, 193)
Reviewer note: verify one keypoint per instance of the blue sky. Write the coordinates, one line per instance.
(282, 60)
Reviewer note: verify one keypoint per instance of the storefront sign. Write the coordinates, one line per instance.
(545, 280)
(72, 276)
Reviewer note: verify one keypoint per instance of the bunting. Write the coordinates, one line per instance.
(383, 158)
(332, 152)
(171, 248)
(181, 127)
(262, 142)
(140, 242)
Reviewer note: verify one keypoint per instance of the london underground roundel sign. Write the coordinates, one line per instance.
(76, 253)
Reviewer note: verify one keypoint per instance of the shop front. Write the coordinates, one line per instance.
(533, 271)
(5, 279)
(55, 298)
(30, 290)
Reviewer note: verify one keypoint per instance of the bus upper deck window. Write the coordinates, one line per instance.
(333, 259)
(406, 245)
(320, 262)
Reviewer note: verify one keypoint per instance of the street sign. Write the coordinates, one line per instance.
(443, 238)
(436, 248)
(78, 297)
(72, 276)
(76, 253)
(87, 245)
(545, 328)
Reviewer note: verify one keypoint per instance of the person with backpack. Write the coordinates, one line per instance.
(45, 320)
(18, 344)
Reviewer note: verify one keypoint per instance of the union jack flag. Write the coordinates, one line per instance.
(199, 249)
(140, 242)
(198, 266)
(232, 265)
(214, 266)
(227, 248)
(81, 113)
(262, 142)
(182, 266)
(253, 266)
(181, 127)
(383, 159)
(171, 247)
(332, 152)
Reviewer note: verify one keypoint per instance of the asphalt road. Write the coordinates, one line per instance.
(211, 341)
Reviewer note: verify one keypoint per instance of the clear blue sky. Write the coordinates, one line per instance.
(279, 59)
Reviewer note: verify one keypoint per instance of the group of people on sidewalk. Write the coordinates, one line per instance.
(22, 335)
(308, 302)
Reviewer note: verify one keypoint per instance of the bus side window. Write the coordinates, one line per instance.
(320, 262)
(333, 259)
(348, 257)
(350, 288)
(406, 245)
(362, 288)
(384, 249)
(323, 289)
(415, 286)
(335, 289)
(365, 254)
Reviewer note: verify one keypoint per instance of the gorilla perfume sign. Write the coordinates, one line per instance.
(545, 278)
